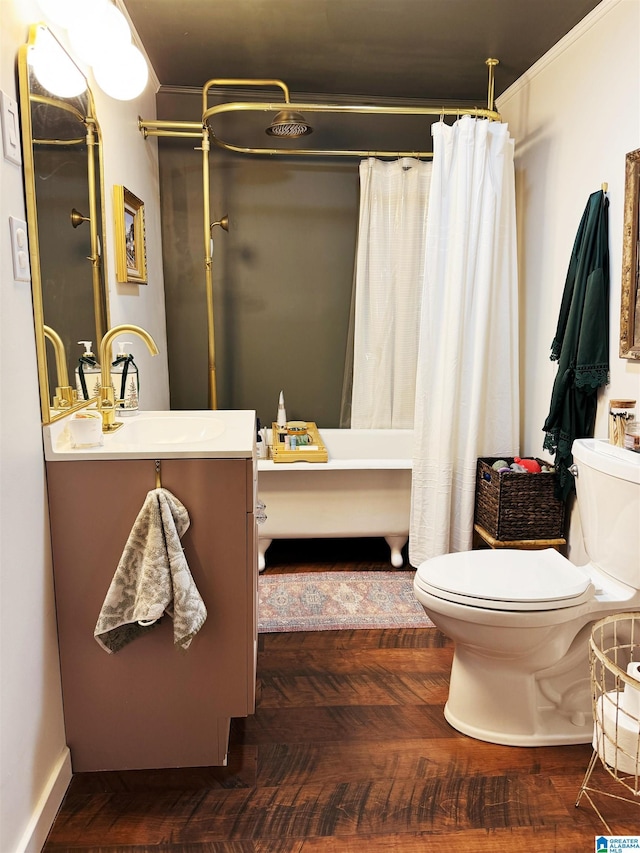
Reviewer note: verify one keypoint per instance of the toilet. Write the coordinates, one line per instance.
(521, 620)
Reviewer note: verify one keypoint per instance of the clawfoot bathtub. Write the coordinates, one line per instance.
(363, 490)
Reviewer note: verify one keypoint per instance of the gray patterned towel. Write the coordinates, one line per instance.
(152, 578)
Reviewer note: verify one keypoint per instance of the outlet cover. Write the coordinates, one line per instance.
(20, 249)
(10, 129)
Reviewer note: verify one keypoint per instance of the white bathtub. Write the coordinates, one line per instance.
(363, 490)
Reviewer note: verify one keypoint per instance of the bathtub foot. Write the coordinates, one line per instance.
(263, 544)
(396, 543)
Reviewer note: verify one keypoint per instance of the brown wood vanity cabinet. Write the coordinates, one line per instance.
(151, 705)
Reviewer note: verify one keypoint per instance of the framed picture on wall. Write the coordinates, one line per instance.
(630, 297)
(131, 252)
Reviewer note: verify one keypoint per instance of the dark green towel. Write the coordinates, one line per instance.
(581, 342)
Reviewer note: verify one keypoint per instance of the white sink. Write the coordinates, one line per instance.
(162, 435)
(165, 429)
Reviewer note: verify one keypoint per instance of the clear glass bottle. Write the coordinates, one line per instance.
(632, 437)
(126, 382)
(622, 413)
(88, 373)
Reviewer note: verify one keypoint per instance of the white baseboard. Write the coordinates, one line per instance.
(47, 806)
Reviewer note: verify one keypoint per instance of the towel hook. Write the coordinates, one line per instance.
(158, 477)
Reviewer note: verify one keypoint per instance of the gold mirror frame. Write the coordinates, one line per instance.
(78, 111)
(630, 300)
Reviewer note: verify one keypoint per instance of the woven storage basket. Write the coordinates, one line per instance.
(514, 506)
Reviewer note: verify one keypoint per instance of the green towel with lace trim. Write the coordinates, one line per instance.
(581, 342)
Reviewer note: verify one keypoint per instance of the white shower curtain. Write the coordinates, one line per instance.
(467, 396)
(388, 290)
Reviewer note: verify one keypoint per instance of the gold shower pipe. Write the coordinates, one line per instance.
(491, 65)
(195, 130)
(371, 109)
(208, 274)
(169, 128)
(220, 82)
(202, 130)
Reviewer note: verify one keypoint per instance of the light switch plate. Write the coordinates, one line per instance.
(20, 249)
(10, 129)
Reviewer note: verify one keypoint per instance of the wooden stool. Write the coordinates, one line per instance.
(520, 544)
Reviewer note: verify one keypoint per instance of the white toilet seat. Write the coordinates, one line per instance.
(506, 580)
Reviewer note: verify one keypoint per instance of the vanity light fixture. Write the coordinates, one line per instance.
(54, 68)
(100, 36)
(123, 78)
(103, 31)
(65, 12)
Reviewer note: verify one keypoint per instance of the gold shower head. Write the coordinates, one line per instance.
(289, 124)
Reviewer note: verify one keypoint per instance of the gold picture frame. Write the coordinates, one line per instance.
(630, 297)
(131, 251)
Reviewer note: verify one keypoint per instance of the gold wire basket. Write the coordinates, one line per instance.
(614, 655)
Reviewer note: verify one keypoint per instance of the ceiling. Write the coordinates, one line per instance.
(393, 49)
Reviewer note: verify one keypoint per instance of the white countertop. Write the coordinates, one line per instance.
(162, 435)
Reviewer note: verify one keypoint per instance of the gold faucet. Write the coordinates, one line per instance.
(107, 400)
(65, 396)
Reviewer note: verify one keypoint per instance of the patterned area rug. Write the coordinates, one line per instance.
(330, 601)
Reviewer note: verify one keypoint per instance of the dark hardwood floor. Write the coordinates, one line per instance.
(348, 751)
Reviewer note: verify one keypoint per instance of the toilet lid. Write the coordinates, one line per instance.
(506, 579)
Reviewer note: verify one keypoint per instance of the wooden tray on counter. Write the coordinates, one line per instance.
(301, 454)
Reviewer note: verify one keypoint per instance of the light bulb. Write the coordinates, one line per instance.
(54, 68)
(123, 77)
(101, 32)
(61, 12)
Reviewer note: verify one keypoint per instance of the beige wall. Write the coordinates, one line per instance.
(34, 760)
(574, 116)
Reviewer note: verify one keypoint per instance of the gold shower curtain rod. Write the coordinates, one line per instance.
(198, 130)
(195, 130)
(289, 115)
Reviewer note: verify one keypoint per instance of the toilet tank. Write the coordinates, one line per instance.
(608, 489)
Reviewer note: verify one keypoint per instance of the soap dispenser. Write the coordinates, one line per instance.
(88, 374)
(126, 381)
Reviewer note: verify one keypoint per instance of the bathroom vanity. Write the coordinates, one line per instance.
(151, 705)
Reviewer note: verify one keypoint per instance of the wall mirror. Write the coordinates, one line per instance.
(630, 301)
(64, 199)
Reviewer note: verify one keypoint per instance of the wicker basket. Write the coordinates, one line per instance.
(515, 506)
(614, 652)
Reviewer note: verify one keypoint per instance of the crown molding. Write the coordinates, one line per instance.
(574, 35)
(234, 93)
